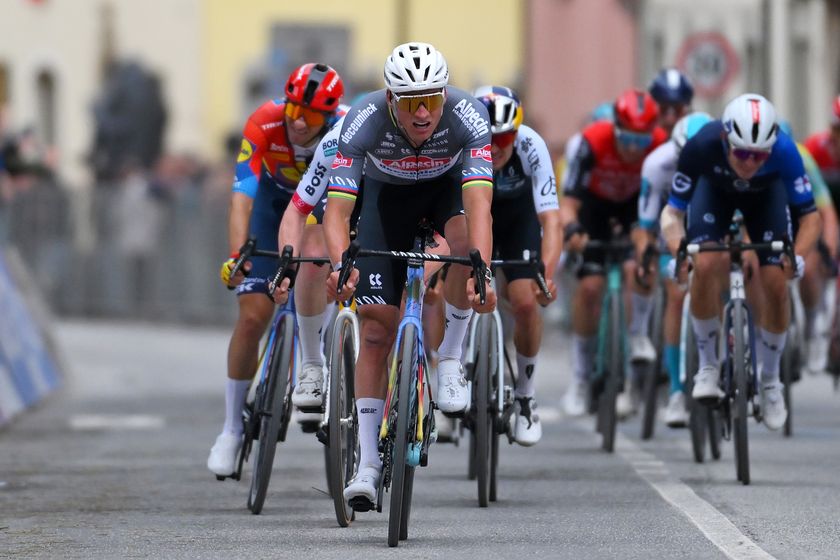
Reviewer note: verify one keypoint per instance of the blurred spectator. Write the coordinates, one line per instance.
(130, 120)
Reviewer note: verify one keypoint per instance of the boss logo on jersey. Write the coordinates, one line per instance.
(482, 153)
(681, 183)
(245, 151)
(357, 122)
(471, 118)
(341, 161)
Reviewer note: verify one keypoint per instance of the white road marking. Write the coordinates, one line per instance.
(711, 522)
(116, 422)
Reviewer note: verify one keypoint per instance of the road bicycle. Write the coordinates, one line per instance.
(491, 397)
(408, 418)
(738, 368)
(266, 417)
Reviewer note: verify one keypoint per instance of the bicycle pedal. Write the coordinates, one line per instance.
(323, 434)
(361, 504)
(310, 427)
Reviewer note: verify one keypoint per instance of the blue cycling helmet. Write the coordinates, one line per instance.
(671, 86)
(688, 126)
(603, 112)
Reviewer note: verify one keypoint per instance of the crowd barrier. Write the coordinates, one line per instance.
(29, 368)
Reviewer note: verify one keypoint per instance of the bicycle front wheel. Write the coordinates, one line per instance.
(697, 413)
(614, 377)
(342, 448)
(741, 382)
(786, 374)
(273, 410)
(482, 404)
(402, 475)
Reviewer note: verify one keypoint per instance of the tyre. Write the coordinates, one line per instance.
(343, 441)
(787, 374)
(697, 422)
(652, 373)
(715, 428)
(741, 383)
(614, 377)
(273, 409)
(482, 396)
(401, 473)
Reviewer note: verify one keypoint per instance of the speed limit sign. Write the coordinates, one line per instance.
(709, 61)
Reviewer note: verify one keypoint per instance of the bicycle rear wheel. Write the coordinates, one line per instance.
(272, 410)
(614, 377)
(402, 475)
(482, 404)
(715, 431)
(342, 448)
(739, 376)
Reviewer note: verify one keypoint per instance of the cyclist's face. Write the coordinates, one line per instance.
(420, 124)
(744, 168)
(501, 149)
(670, 113)
(300, 133)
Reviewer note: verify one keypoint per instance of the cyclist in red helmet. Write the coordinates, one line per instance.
(825, 147)
(278, 142)
(602, 189)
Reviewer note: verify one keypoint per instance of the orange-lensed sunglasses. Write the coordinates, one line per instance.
(312, 117)
(411, 103)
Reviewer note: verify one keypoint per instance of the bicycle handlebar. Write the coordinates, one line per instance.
(734, 248)
(530, 260)
(355, 251)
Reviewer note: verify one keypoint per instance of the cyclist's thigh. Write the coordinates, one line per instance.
(265, 221)
(388, 222)
(767, 218)
(598, 216)
(516, 228)
(709, 213)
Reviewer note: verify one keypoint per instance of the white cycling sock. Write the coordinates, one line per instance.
(309, 332)
(582, 356)
(370, 417)
(641, 309)
(525, 369)
(457, 321)
(235, 392)
(706, 333)
(770, 347)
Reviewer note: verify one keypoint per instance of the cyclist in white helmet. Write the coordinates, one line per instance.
(742, 162)
(423, 150)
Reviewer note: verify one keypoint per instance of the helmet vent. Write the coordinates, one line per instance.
(755, 132)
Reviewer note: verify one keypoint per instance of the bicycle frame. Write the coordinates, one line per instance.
(614, 290)
(415, 289)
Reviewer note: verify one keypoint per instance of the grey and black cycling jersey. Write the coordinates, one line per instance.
(371, 142)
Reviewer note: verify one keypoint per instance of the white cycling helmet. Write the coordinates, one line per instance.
(415, 67)
(688, 126)
(750, 122)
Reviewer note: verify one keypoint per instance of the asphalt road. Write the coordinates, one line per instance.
(114, 467)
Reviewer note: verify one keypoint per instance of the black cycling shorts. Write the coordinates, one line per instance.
(388, 221)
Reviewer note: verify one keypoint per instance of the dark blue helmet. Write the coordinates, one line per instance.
(671, 86)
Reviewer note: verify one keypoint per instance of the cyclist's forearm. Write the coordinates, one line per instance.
(830, 229)
(641, 238)
(673, 230)
(239, 216)
(809, 233)
(337, 227)
(477, 202)
(569, 208)
(291, 229)
(552, 239)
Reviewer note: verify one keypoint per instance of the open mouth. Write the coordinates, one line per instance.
(421, 125)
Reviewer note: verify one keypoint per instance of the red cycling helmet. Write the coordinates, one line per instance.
(316, 86)
(636, 111)
(835, 111)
